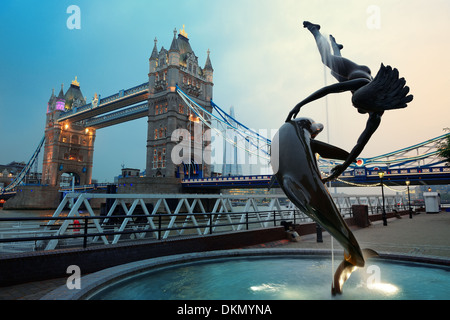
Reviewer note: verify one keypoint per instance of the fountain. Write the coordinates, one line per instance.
(261, 274)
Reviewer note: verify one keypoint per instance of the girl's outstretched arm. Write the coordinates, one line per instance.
(350, 85)
(372, 125)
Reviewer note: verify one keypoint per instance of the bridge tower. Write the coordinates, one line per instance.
(167, 112)
(69, 148)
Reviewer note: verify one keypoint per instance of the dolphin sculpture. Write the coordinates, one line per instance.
(295, 168)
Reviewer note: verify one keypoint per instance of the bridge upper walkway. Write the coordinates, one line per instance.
(119, 100)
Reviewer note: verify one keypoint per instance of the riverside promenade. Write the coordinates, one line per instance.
(424, 235)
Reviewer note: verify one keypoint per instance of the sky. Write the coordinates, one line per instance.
(264, 63)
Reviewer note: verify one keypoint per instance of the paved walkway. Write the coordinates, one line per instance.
(423, 235)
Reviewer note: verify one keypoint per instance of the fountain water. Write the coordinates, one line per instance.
(255, 274)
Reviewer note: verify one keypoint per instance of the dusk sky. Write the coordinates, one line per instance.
(264, 63)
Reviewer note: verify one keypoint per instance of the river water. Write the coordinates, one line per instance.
(25, 213)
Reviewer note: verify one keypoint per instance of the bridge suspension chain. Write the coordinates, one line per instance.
(230, 129)
(21, 176)
(256, 144)
(403, 156)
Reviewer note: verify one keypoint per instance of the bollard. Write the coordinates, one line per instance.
(85, 233)
(159, 227)
(210, 223)
(246, 220)
(319, 233)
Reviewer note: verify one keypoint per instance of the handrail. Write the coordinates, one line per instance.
(207, 220)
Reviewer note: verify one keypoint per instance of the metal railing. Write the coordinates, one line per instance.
(142, 88)
(141, 229)
(157, 217)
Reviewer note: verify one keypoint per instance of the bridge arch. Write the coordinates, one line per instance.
(66, 178)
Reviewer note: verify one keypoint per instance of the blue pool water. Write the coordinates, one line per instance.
(273, 278)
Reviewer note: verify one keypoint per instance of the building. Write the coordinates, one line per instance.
(69, 148)
(9, 172)
(167, 112)
(130, 172)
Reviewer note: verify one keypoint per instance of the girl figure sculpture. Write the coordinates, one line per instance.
(370, 95)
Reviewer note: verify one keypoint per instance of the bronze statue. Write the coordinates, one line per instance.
(295, 168)
(370, 95)
(294, 146)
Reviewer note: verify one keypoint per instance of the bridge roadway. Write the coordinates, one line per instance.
(417, 176)
(397, 177)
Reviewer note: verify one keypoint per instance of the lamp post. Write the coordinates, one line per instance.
(409, 199)
(381, 175)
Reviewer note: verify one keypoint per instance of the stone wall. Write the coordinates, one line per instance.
(41, 265)
(149, 185)
(34, 198)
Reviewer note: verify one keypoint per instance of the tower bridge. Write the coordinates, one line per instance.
(179, 95)
(71, 127)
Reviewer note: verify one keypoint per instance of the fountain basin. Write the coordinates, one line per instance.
(262, 274)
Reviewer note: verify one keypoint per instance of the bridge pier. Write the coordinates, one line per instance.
(34, 198)
(149, 185)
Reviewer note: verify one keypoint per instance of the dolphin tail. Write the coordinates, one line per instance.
(369, 253)
(341, 275)
(345, 269)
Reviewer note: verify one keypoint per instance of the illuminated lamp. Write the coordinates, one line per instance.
(193, 118)
(407, 182)
(60, 105)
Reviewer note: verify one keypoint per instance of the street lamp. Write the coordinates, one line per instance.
(409, 199)
(381, 175)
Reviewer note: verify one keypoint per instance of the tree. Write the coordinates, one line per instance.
(444, 148)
